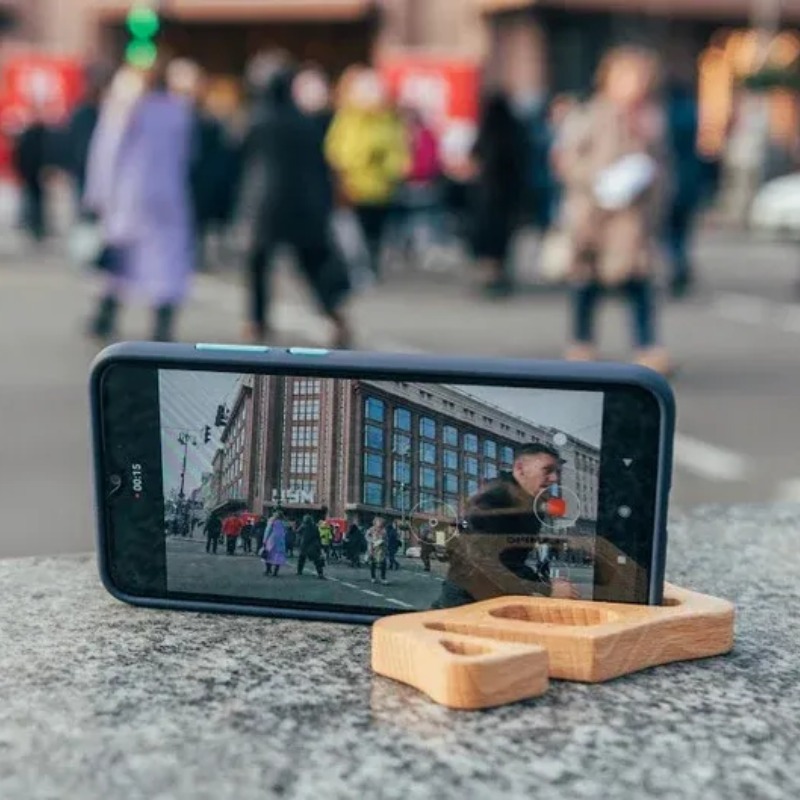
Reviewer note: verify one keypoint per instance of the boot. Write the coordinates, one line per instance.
(104, 321)
(343, 335)
(256, 333)
(581, 352)
(657, 359)
(164, 322)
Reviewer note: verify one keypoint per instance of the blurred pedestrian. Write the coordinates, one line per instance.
(326, 538)
(533, 109)
(216, 153)
(376, 550)
(611, 160)
(247, 534)
(213, 531)
(336, 544)
(295, 210)
(150, 220)
(32, 157)
(259, 529)
(688, 189)
(185, 79)
(562, 107)
(393, 544)
(100, 197)
(427, 545)
(80, 131)
(310, 547)
(368, 150)
(419, 198)
(500, 162)
(231, 528)
(291, 537)
(312, 94)
(354, 544)
(259, 74)
(273, 547)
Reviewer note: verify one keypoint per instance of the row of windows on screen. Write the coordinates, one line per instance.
(234, 489)
(234, 467)
(375, 467)
(428, 452)
(375, 411)
(428, 479)
(235, 442)
(375, 439)
(403, 499)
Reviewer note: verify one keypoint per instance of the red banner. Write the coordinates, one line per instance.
(33, 84)
(445, 90)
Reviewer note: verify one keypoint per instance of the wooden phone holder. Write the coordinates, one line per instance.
(502, 650)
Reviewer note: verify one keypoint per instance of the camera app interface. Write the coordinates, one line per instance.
(389, 495)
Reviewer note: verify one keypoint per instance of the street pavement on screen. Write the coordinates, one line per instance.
(191, 569)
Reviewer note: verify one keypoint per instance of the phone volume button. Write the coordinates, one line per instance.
(308, 351)
(232, 348)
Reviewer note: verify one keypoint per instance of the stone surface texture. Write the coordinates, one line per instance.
(101, 700)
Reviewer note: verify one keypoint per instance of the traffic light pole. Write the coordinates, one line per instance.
(184, 439)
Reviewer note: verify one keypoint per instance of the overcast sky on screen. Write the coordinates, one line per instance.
(578, 414)
(189, 402)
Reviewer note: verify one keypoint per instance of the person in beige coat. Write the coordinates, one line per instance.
(611, 158)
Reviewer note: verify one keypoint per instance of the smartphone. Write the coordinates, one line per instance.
(346, 486)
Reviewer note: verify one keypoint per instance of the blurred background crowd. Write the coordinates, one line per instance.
(579, 178)
(176, 165)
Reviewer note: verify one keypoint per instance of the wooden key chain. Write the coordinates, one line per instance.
(498, 651)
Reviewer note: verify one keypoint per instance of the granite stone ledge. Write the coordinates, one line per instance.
(100, 700)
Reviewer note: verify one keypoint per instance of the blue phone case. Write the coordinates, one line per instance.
(379, 366)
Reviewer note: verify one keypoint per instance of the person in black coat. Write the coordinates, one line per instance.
(310, 547)
(355, 543)
(689, 184)
(259, 529)
(31, 157)
(295, 208)
(215, 176)
(213, 532)
(393, 544)
(500, 158)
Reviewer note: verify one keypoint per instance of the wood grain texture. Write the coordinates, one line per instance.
(501, 650)
(455, 670)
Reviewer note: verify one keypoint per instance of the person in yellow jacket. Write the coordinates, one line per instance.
(368, 149)
(326, 537)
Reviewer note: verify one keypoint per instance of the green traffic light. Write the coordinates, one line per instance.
(143, 22)
(141, 54)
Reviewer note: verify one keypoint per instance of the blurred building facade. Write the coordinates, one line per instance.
(224, 34)
(554, 46)
(533, 48)
(529, 46)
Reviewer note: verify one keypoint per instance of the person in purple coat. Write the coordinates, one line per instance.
(273, 548)
(149, 220)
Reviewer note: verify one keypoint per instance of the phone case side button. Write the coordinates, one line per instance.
(232, 348)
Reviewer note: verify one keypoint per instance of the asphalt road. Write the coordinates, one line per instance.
(191, 569)
(737, 344)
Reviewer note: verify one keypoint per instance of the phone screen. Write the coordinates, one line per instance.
(357, 494)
